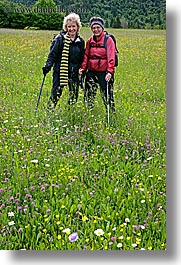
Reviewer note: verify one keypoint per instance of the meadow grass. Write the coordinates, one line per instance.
(68, 181)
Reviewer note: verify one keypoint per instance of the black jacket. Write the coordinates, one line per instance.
(76, 54)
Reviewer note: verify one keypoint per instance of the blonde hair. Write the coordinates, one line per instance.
(73, 18)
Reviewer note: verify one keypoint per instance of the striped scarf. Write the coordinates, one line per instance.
(64, 62)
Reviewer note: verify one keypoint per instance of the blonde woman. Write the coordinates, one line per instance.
(65, 56)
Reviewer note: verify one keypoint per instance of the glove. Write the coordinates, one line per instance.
(46, 69)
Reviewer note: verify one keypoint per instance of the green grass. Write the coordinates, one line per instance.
(69, 169)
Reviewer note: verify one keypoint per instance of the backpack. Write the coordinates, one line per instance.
(54, 39)
(105, 46)
(107, 35)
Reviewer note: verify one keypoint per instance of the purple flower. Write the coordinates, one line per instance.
(73, 237)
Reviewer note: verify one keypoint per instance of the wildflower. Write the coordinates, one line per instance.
(67, 231)
(73, 237)
(134, 245)
(142, 226)
(35, 161)
(84, 218)
(10, 214)
(11, 198)
(99, 232)
(121, 237)
(149, 158)
(142, 201)
(127, 220)
(11, 223)
(119, 245)
(59, 237)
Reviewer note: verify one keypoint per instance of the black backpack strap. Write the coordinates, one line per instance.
(105, 40)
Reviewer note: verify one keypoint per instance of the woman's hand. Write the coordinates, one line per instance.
(108, 77)
(81, 71)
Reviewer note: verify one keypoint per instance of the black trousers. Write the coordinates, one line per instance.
(92, 81)
(73, 85)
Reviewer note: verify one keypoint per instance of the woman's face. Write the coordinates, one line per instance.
(72, 29)
(97, 30)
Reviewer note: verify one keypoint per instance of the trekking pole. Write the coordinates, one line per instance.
(36, 108)
(107, 102)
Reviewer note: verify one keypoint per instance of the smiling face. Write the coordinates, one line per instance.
(72, 29)
(97, 30)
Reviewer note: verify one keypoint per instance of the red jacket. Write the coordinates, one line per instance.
(96, 57)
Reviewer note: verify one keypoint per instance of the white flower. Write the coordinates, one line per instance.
(142, 201)
(134, 245)
(121, 237)
(10, 214)
(34, 161)
(149, 158)
(99, 232)
(119, 245)
(142, 226)
(127, 220)
(11, 223)
(67, 231)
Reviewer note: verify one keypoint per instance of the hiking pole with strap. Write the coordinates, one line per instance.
(36, 108)
(107, 91)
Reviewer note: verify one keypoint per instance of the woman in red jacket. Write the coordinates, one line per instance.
(98, 64)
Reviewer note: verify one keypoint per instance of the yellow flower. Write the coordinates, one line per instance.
(150, 248)
(57, 216)
(58, 222)
(128, 238)
(63, 206)
(59, 237)
(44, 230)
(84, 218)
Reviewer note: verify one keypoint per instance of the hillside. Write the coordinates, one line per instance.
(116, 13)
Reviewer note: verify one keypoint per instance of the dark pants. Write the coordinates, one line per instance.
(92, 81)
(73, 85)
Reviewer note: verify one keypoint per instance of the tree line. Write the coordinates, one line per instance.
(140, 14)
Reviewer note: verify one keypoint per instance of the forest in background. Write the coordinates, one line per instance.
(143, 14)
